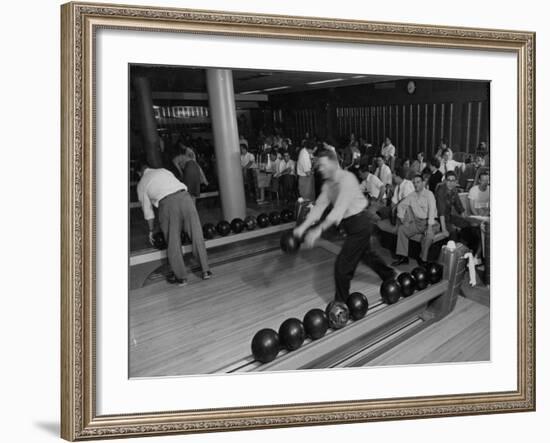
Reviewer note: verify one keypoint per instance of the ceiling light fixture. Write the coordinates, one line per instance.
(325, 81)
(276, 89)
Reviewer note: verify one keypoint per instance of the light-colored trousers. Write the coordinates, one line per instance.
(411, 227)
(177, 213)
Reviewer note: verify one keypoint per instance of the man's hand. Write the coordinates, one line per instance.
(151, 239)
(298, 232)
(311, 237)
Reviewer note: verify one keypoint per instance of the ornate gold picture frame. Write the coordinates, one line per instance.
(79, 418)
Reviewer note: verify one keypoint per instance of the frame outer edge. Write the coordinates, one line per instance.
(78, 420)
(68, 401)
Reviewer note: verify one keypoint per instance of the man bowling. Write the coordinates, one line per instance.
(341, 190)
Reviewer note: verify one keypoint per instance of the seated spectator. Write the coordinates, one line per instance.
(448, 164)
(248, 165)
(402, 186)
(351, 157)
(375, 191)
(383, 172)
(406, 168)
(479, 196)
(419, 165)
(435, 175)
(446, 196)
(471, 172)
(287, 178)
(416, 214)
(387, 151)
(439, 151)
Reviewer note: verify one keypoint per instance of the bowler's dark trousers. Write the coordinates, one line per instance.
(357, 248)
(178, 213)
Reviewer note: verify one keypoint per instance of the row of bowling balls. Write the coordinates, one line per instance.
(267, 343)
(236, 226)
(406, 283)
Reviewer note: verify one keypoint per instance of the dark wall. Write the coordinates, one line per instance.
(457, 111)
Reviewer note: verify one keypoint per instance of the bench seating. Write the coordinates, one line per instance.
(388, 238)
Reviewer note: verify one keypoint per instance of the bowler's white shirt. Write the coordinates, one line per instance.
(303, 166)
(154, 185)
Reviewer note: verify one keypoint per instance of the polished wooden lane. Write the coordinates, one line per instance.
(208, 325)
(462, 336)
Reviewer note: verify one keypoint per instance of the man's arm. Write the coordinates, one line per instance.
(402, 206)
(432, 209)
(148, 212)
(458, 204)
(314, 214)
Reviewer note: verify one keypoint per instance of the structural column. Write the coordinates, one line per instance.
(221, 97)
(148, 124)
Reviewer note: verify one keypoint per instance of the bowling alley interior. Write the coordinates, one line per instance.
(244, 147)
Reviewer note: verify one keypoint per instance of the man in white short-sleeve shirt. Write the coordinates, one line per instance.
(383, 171)
(479, 196)
(448, 164)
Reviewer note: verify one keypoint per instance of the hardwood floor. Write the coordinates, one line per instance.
(461, 336)
(207, 326)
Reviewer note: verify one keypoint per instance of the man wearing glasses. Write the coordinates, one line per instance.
(446, 197)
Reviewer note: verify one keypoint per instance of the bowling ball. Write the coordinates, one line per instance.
(265, 345)
(287, 215)
(421, 277)
(158, 240)
(237, 225)
(358, 305)
(223, 228)
(292, 334)
(274, 218)
(435, 272)
(390, 291)
(337, 314)
(407, 283)
(284, 216)
(250, 223)
(208, 231)
(315, 323)
(289, 243)
(185, 239)
(263, 220)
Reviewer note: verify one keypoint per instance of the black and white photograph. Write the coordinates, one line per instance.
(284, 220)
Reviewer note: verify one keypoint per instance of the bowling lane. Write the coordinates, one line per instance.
(208, 325)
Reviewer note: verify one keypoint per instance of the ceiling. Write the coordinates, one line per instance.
(183, 79)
